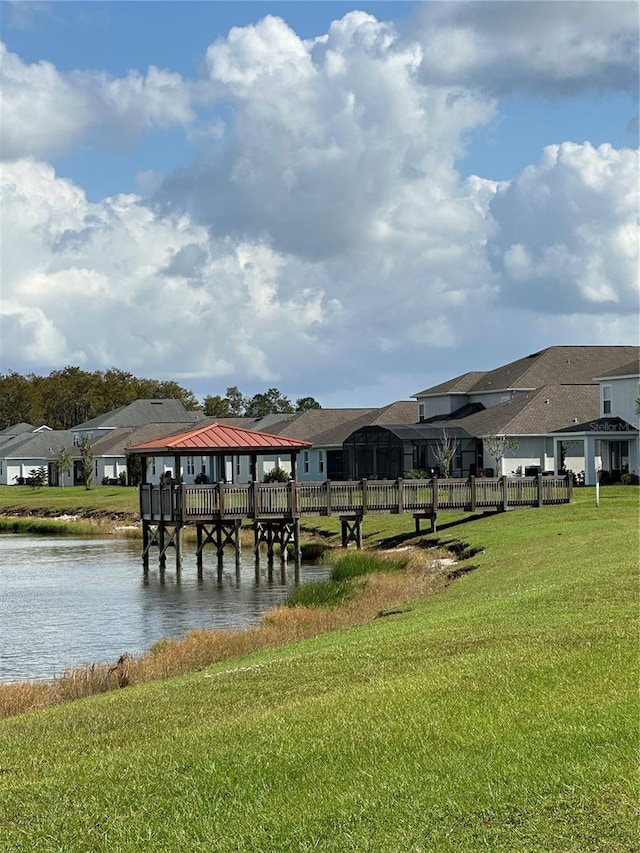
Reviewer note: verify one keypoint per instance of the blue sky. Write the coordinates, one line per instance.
(327, 198)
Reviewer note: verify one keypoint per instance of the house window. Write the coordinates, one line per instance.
(153, 466)
(606, 399)
(305, 461)
(237, 465)
(321, 456)
(190, 465)
(96, 469)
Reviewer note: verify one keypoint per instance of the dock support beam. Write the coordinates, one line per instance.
(219, 534)
(163, 536)
(272, 533)
(351, 531)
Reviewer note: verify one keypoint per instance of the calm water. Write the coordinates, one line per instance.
(69, 602)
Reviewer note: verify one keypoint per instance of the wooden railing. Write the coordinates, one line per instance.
(195, 503)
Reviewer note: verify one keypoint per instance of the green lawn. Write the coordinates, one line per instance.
(70, 499)
(499, 715)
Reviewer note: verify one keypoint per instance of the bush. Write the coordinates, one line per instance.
(630, 479)
(416, 474)
(122, 477)
(276, 475)
(104, 481)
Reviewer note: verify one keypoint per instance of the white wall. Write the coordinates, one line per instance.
(443, 404)
(531, 450)
(623, 396)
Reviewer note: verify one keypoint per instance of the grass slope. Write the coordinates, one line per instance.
(499, 715)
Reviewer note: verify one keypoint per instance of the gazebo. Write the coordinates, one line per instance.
(162, 506)
(213, 443)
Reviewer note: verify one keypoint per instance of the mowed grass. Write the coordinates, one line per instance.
(55, 500)
(500, 714)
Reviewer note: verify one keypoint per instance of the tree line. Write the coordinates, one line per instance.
(68, 397)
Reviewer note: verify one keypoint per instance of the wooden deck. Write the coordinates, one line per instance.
(191, 504)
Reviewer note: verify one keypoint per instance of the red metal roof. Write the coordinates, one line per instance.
(222, 438)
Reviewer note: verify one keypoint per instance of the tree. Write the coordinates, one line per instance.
(444, 452)
(303, 404)
(237, 402)
(271, 402)
(37, 477)
(216, 407)
(498, 446)
(64, 461)
(19, 401)
(86, 455)
(638, 405)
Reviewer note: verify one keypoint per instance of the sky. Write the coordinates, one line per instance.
(349, 201)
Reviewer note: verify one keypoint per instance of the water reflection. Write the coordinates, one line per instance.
(71, 602)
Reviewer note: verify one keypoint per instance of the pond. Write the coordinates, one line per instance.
(71, 602)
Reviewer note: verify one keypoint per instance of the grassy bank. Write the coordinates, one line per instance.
(500, 714)
(68, 511)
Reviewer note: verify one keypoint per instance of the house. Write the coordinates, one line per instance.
(609, 444)
(531, 400)
(23, 451)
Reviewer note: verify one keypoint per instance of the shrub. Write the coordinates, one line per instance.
(629, 479)
(276, 475)
(104, 481)
(416, 474)
(122, 477)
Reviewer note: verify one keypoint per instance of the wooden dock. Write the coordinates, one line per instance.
(218, 510)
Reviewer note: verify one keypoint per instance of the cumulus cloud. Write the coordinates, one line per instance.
(44, 112)
(550, 46)
(333, 141)
(324, 240)
(567, 233)
(112, 281)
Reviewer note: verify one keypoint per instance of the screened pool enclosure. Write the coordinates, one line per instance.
(388, 452)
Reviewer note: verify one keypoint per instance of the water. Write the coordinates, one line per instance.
(71, 602)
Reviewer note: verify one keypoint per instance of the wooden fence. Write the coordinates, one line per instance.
(193, 504)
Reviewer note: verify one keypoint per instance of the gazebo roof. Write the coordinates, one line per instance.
(219, 438)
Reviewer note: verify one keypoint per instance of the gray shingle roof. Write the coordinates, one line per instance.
(576, 365)
(402, 411)
(16, 429)
(117, 440)
(37, 445)
(631, 369)
(537, 412)
(143, 412)
(458, 385)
